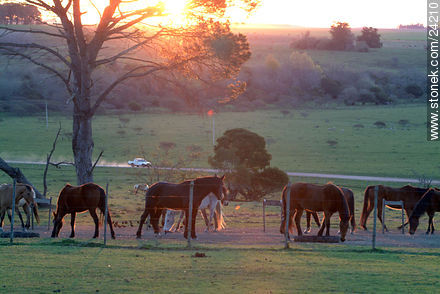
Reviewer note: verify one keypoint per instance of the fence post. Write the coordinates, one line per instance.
(264, 215)
(105, 214)
(11, 238)
(190, 208)
(403, 218)
(376, 191)
(383, 216)
(50, 213)
(287, 217)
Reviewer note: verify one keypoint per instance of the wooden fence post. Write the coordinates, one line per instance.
(264, 215)
(190, 208)
(11, 237)
(50, 213)
(287, 217)
(376, 191)
(105, 214)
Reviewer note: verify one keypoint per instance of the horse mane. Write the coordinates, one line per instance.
(422, 204)
(418, 189)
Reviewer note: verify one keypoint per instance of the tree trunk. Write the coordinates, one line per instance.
(82, 145)
(16, 174)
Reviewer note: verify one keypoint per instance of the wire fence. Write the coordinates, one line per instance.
(270, 218)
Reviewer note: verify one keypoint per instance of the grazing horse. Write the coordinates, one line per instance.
(349, 196)
(24, 196)
(163, 195)
(429, 203)
(408, 194)
(142, 187)
(328, 198)
(209, 202)
(73, 199)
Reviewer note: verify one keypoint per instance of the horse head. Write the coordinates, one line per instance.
(413, 224)
(343, 228)
(57, 224)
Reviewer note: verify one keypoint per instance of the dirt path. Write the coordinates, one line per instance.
(256, 236)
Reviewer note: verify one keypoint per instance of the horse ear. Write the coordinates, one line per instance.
(223, 177)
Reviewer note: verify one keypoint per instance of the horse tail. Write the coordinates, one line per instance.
(35, 210)
(363, 219)
(102, 197)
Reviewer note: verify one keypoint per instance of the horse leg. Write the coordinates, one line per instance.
(95, 219)
(298, 215)
(142, 221)
(323, 224)
(27, 210)
(72, 224)
(154, 219)
(205, 218)
(429, 225)
(2, 216)
(308, 218)
(379, 216)
(179, 222)
(327, 224)
(369, 209)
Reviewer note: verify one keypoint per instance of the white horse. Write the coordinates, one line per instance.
(209, 202)
(142, 187)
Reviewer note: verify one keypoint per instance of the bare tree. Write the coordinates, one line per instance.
(204, 49)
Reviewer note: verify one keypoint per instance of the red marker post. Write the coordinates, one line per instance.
(211, 114)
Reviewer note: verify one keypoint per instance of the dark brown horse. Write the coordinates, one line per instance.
(408, 194)
(429, 203)
(80, 199)
(163, 195)
(327, 198)
(349, 196)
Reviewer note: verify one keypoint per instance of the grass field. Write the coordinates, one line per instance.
(347, 140)
(46, 266)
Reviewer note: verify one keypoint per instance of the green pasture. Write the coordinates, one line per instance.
(368, 140)
(402, 50)
(47, 266)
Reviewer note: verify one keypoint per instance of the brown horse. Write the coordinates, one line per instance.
(80, 199)
(349, 196)
(408, 194)
(163, 195)
(328, 198)
(24, 196)
(429, 203)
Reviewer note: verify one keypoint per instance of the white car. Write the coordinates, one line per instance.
(139, 162)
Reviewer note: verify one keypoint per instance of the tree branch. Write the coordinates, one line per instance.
(31, 31)
(37, 46)
(93, 167)
(58, 74)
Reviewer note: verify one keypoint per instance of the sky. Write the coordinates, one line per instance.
(306, 13)
(358, 13)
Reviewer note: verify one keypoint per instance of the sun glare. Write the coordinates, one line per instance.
(174, 11)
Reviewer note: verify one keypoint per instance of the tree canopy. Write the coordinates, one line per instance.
(244, 157)
(371, 37)
(16, 13)
(128, 36)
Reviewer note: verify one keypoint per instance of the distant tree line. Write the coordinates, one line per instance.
(417, 26)
(342, 38)
(16, 13)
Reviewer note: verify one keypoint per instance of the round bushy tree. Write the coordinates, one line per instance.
(242, 154)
